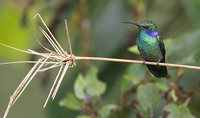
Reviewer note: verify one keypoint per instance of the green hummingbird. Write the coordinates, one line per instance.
(151, 46)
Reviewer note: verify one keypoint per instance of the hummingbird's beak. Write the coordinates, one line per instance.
(128, 22)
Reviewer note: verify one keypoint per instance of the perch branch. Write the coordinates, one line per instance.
(137, 61)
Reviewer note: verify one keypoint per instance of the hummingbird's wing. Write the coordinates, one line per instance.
(162, 47)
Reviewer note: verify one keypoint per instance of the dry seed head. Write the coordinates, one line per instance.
(58, 58)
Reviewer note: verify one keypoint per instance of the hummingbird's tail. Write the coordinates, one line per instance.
(158, 71)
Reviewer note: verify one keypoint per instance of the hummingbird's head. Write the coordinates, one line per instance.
(147, 25)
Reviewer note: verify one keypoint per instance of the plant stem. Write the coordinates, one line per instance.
(136, 61)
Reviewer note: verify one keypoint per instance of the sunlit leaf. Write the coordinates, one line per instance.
(132, 76)
(126, 83)
(134, 49)
(80, 86)
(161, 85)
(91, 74)
(106, 109)
(148, 96)
(177, 111)
(94, 86)
(83, 116)
(173, 95)
(90, 85)
(71, 102)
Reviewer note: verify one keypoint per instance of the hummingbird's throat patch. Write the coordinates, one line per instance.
(152, 33)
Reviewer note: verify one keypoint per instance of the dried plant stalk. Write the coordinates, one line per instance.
(58, 58)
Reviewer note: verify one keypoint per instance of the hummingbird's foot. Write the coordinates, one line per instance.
(143, 62)
(157, 63)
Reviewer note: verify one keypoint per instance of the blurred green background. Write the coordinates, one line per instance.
(95, 30)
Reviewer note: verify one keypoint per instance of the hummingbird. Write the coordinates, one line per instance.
(151, 46)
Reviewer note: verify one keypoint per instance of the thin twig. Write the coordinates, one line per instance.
(23, 62)
(137, 61)
(29, 80)
(42, 44)
(50, 67)
(15, 48)
(179, 74)
(12, 98)
(68, 38)
(50, 41)
(54, 39)
(187, 101)
(55, 81)
(60, 80)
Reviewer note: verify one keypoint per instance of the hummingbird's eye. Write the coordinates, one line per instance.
(146, 27)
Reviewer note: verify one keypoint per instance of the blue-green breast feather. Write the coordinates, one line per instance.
(149, 47)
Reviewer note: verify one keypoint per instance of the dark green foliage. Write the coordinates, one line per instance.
(176, 111)
(148, 96)
(71, 102)
(88, 91)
